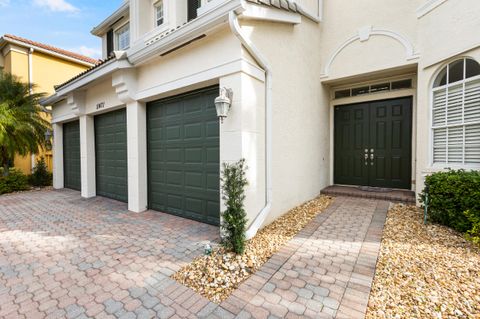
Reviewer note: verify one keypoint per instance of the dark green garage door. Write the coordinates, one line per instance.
(183, 156)
(71, 156)
(111, 155)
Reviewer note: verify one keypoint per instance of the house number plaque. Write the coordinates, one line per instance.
(100, 105)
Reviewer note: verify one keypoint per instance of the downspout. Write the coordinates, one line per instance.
(30, 90)
(263, 63)
(30, 70)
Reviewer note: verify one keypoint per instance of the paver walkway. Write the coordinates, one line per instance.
(65, 257)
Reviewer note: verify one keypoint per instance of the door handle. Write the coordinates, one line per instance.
(372, 158)
(366, 159)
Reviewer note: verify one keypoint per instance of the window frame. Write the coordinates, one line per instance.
(116, 36)
(156, 5)
(462, 124)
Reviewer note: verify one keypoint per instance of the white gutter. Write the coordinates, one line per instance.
(30, 69)
(263, 63)
(314, 17)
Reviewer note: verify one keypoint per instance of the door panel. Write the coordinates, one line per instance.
(111, 155)
(183, 156)
(351, 139)
(390, 136)
(380, 130)
(71, 155)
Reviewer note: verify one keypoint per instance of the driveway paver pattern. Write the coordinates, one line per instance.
(66, 257)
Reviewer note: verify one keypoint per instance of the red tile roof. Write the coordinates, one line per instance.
(52, 49)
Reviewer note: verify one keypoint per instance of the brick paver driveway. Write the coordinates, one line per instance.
(65, 257)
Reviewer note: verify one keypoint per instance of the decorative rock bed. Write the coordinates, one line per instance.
(424, 271)
(216, 276)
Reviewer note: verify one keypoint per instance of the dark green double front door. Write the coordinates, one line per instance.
(372, 144)
(183, 156)
(111, 155)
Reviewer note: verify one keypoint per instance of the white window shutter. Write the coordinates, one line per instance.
(472, 101)
(455, 104)
(472, 144)
(440, 145)
(439, 110)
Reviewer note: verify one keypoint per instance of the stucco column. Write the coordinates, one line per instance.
(87, 156)
(137, 156)
(57, 156)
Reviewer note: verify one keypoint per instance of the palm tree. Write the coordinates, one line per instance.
(22, 128)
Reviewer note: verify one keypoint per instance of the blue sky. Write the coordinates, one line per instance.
(62, 23)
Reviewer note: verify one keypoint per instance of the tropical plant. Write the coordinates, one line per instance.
(22, 126)
(234, 219)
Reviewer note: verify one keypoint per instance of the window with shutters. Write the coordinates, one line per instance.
(122, 37)
(456, 114)
(159, 13)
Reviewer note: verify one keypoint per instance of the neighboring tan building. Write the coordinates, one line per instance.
(370, 93)
(41, 65)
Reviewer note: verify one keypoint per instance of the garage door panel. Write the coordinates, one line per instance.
(111, 155)
(181, 159)
(212, 129)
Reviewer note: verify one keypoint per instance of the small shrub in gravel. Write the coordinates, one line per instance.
(451, 195)
(234, 220)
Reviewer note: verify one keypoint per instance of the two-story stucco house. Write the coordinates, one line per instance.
(370, 93)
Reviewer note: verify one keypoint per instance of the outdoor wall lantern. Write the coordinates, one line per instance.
(48, 139)
(223, 103)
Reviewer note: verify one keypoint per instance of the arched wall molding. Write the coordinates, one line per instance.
(364, 34)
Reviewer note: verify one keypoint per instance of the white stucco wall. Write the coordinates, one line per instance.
(300, 111)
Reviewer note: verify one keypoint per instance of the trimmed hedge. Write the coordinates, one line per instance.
(454, 200)
(16, 181)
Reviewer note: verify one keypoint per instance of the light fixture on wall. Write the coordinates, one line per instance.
(48, 139)
(223, 103)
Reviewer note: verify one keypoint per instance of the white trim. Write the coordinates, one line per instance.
(256, 12)
(103, 27)
(364, 34)
(116, 36)
(446, 126)
(102, 70)
(239, 65)
(165, 13)
(64, 118)
(386, 95)
(428, 6)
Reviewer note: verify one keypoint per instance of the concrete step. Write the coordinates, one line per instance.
(392, 195)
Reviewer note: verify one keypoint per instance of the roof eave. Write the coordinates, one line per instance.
(49, 52)
(102, 28)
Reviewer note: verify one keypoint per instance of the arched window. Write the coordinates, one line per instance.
(456, 114)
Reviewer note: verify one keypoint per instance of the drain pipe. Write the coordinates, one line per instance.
(263, 63)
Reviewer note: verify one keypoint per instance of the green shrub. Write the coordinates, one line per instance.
(40, 176)
(16, 181)
(451, 195)
(234, 218)
(474, 233)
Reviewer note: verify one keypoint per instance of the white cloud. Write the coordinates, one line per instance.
(56, 5)
(95, 53)
(4, 3)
